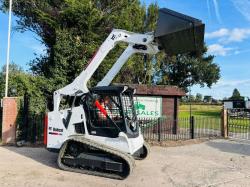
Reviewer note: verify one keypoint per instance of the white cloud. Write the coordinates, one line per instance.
(238, 35)
(219, 50)
(217, 34)
(232, 83)
(227, 36)
(224, 88)
(241, 51)
(243, 6)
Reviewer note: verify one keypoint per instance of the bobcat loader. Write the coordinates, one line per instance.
(99, 133)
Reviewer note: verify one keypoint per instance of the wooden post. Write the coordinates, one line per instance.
(224, 125)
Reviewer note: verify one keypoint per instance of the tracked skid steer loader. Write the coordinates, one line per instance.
(98, 133)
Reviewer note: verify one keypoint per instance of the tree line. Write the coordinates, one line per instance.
(199, 98)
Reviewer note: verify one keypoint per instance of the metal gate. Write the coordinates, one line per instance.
(29, 125)
(238, 123)
(167, 128)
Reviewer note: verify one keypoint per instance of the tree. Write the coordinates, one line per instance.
(191, 98)
(207, 99)
(236, 95)
(141, 69)
(73, 30)
(198, 97)
(21, 83)
(14, 72)
(175, 70)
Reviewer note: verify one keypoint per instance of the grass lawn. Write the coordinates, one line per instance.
(200, 111)
(241, 123)
(206, 116)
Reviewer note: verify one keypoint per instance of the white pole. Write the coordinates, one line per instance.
(8, 52)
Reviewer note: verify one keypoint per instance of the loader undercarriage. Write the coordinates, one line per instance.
(82, 155)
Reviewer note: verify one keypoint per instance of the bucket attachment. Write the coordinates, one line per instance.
(177, 33)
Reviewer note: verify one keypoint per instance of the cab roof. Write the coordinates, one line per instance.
(112, 89)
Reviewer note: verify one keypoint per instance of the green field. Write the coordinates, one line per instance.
(206, 116)
(209, 116)
(200, 111)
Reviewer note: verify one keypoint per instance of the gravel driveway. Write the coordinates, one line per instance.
(211, 163)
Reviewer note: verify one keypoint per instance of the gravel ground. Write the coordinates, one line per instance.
(211, 163)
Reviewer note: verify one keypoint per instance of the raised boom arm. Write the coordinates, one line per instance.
(137, 43)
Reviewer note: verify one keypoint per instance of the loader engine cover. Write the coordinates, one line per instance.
(177, 33)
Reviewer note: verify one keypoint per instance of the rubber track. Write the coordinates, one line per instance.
(148, 150)
(128, 158)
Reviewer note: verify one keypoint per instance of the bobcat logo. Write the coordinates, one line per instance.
(113, 37)
(139, 105)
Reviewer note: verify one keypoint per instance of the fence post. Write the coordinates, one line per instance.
(224, 123)
(33, 129)
(192, 127)
(159, 129)
(26, 116)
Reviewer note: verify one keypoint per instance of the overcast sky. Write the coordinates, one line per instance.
(227, 36)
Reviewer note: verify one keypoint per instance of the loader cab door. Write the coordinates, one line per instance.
(104, 115)
(109, 112)
(131, 122)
